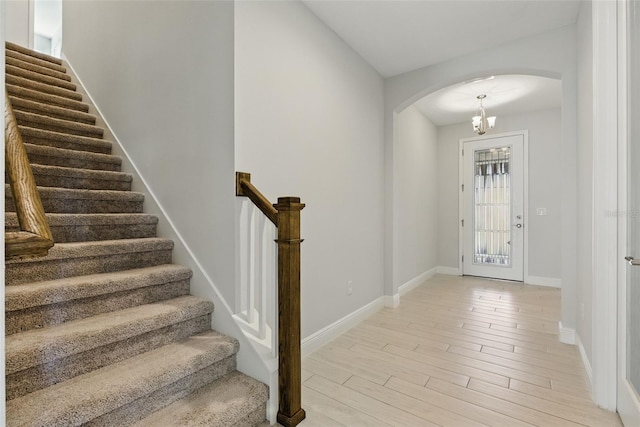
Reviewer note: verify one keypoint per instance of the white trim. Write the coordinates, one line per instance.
(551, 282)
(605, 201)
(417, 281)
(391, 301)
(337, 328)
(32, 27)
(451, 271)
(567, 335)
(585, 359)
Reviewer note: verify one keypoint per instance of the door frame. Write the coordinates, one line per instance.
(525, 148)
(628, 407)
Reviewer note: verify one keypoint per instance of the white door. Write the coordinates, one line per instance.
(629, 290)
(493, 221)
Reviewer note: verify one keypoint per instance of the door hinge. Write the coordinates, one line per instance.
(462, 222)
(462, 258)
(463, 151)
(462, 187)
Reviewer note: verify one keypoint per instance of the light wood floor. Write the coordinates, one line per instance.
(456, 352)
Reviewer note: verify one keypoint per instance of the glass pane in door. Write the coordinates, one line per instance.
(633, 196)
(492, 207)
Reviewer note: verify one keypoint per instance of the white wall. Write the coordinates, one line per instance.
(416, 195)
(585, 177)
(19, 22)
(164, 81)
(550, 54)
(545, 173)
(309, 115)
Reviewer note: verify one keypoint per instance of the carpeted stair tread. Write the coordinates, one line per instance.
(72, 200)
(103, 391)
(65, 141)
(43, 87)
(36, 68)
(91, 227)
(38, 77)
(34, 294)
(40, 121)
(32, 53)
(84, 258)
(54, 156)
(46, 98)
(36, 61)
(39, 346)
(88, 179)
(29, 106)
(225, 402)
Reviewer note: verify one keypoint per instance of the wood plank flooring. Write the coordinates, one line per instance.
(458, 351)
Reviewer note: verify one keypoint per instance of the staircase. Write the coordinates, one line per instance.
(103, 331)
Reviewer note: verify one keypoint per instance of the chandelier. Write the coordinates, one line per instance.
(482, 123)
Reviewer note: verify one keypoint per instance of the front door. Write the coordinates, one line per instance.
(493, 215)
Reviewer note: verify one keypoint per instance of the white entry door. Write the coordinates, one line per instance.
(492, 198)
(628, 382)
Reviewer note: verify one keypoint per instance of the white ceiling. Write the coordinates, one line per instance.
(397, 36)
(508, 94)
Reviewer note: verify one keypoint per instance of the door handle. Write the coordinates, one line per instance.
(632, 261)
(518, 225)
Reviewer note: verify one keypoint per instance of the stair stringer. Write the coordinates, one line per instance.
(250, 360)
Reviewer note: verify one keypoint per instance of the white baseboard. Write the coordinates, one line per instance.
(567, 335)
(326, 334)
(451, 271)
(391, 301)
(585, 359)
(417, 281)
(551, 282)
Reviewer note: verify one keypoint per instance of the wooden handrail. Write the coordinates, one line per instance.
(34, 238)
(285, 215)
(244, 187)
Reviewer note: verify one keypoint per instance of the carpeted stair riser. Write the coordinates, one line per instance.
(92, 227)
(46, 98)
(56, 176)
(56, 371)
(29, 106)
(54, 314)
(35, 61)
(233, 400)
(146, 405)
(42, 87)
(65, 200)
(54, 156)
(37, 69)
(37, 77)
(77, 259)
(131, 386)
(57, 125)
(40, 346)
(33, 305)
(64, 141)
(32, 53)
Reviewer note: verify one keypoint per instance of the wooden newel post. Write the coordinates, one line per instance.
(290, 412)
